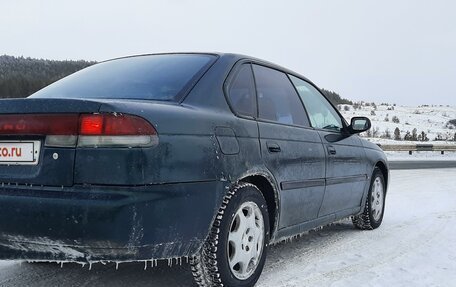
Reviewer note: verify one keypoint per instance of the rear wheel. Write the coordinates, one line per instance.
(235, 251)
(372, 216)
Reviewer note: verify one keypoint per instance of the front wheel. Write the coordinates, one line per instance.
(235, 251)
(372, 216)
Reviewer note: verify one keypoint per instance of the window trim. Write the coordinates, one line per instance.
(233, 72)
(229, 80)
(300, 99)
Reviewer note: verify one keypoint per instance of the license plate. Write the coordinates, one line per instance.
(19, 152)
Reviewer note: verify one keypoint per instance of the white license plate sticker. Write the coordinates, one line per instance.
(19, 152)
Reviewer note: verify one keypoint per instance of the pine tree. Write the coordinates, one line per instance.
(414, 134)
(21, 77)
(335, 98)
(408, 136)
(424, 137)
(397, 134)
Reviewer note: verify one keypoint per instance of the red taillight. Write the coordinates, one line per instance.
(91, 124)
(114, 125)
(85, 130)
(57, 124)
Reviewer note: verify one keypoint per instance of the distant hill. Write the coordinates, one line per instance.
(335, 98)
(21, 77)
(391, 123)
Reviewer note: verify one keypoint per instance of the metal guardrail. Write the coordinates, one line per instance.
(418, 147)
(421, 164)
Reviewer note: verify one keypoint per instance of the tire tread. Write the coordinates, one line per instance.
(363, 220)
(204, 265)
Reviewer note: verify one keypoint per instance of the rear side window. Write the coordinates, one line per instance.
(241, 92)
(154, 77)
(277, 98)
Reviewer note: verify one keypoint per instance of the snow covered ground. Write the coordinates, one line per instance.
(415, 246)
(433, 120)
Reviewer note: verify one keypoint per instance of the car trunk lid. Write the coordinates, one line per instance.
(24, 126)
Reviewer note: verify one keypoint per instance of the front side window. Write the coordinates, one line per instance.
(321, 114)
(241, 92)
(277, 99)
(153, 77)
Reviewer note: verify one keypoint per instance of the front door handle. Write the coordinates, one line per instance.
(273, 147)
(331, 150)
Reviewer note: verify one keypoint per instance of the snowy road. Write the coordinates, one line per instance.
(415, 246)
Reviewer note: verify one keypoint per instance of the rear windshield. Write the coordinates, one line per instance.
(153, 77)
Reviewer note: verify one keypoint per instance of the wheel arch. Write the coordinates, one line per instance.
(383, 168)
(266, 185)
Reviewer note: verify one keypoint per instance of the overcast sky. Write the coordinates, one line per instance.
(392, 51)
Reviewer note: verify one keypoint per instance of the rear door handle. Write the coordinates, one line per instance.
(273, 147)
(331, 150)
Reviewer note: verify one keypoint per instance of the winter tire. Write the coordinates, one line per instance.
(372, 216)
(235, 251)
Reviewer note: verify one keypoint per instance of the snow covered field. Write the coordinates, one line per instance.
(415, 246)
(433, 120)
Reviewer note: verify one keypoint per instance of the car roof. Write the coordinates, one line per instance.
(230, 57)
(239, 57)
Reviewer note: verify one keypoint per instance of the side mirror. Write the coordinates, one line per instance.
(359, 125)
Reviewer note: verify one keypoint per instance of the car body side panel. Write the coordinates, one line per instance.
(346, 173)
(298, 167)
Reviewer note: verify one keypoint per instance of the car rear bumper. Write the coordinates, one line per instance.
(103, 223)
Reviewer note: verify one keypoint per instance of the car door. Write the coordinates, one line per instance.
(291, 150)
(346, 166)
